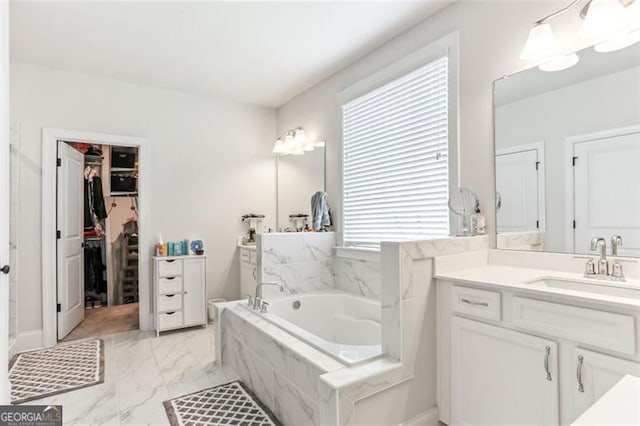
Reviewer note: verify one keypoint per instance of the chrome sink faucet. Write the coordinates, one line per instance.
(603, 264)
(616, 241)
(601, 268)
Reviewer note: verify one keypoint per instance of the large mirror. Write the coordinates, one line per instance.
(299, 177)
(567, 147)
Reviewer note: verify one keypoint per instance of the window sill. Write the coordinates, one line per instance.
(370, 254)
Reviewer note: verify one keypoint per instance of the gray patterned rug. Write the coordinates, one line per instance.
(229, 404)
(63, 368)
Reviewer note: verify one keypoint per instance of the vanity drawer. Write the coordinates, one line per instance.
(607, 330)
(169, 267)
(475, 302)
(169, 285)
(169, 320)
(169, 302)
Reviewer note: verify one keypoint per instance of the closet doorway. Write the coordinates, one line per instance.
(94, 274)
(97, 249)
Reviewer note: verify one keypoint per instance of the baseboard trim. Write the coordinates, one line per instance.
(28, 341)
(427, 418)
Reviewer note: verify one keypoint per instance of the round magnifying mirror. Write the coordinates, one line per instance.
(463, 202)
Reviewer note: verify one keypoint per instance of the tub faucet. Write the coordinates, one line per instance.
(603, 264)
(260, 285)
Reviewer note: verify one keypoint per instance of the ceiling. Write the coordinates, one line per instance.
(261, 53)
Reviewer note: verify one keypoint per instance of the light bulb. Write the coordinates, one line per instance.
(560, 63)
(541, 43)
(300, 138)
(289, 144)
(279, 147)
(604, 17)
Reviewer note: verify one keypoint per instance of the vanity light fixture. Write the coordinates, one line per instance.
(610, 24)
(294, 142)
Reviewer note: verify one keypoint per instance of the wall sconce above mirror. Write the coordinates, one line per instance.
(295, 142)
(567, 155)
(609, 25)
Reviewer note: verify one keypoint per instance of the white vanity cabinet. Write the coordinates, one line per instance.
(508, 357)
(595, 374)
(500, 376)
(180, 292)
(248, 271)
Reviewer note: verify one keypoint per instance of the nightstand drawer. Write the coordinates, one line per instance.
(169, 267)
(169, 285)
(169, 320)
(475, 302)
(169, 302)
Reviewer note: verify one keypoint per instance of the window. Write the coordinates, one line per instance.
(395, 159)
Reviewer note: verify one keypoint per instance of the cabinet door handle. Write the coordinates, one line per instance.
(169, 295)
(579, 373)
(546, 362)
(170, 260)
(170, 278)
(255, 277)
(470, 302)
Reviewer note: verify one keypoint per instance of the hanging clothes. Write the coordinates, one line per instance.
(95, 210)
(94, 268)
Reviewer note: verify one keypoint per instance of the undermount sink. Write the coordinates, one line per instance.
(628, 290)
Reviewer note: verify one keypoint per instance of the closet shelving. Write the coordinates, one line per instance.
(123, 173)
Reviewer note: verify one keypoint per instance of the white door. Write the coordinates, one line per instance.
(70, 256)
(517, 183)
(4, 202)
(595, 374)
(499, 376)
(194, 292)
(607, 192)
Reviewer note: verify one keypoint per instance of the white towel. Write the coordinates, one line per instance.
(320, 214)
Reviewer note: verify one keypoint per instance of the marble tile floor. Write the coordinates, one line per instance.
(142, 371)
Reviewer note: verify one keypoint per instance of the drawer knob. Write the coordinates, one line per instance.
(169, 295)
(170, 313)
(170, 278)
(470, 302)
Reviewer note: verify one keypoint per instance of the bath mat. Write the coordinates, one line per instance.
(34, 375)
(229, 404)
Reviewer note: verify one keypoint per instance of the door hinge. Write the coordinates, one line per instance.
(537, 165)
(58, 162)
(537, 224)
(573, 161)
(58, 235)
(59, 308)
(574, 224)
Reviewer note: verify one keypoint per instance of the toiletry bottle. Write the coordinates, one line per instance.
(478, 223)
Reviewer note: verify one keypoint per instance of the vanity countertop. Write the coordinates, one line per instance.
(619, 406)
(516, 278)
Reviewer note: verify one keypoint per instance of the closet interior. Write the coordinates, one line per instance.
(110, 240)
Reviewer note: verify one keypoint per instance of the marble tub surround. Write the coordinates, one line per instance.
(281, 370)
(367, 393)
(358, 276)
(301, 261)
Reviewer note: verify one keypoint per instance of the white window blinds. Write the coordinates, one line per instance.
(395, 167)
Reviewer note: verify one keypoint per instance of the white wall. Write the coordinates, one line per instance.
(492, 34)
(207, 156)
(553, 116)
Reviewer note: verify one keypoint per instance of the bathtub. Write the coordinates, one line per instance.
(345, 326)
